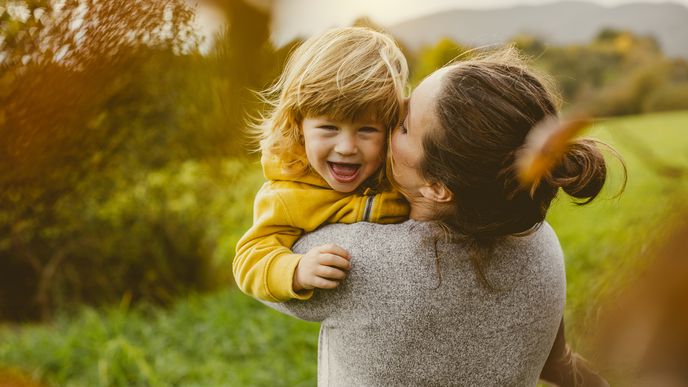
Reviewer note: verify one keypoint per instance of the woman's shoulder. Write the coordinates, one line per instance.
(542, 237)
(541, 242)
(534, 258)
(407, 227)
(363, 233)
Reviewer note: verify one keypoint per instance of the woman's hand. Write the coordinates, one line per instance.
(321, 267)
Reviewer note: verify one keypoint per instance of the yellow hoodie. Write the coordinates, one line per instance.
(285, 208)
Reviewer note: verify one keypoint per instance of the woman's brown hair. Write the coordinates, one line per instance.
(486, 109)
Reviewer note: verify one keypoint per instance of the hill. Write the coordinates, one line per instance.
(557, 23)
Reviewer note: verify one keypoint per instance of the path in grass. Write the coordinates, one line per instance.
(229, 339)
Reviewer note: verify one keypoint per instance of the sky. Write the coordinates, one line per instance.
(300, 18)
(292, 18)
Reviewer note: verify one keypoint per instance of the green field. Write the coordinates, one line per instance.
(228, 339)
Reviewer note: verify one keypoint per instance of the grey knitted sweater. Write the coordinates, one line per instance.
(398, 321)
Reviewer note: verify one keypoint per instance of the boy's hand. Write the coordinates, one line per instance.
(321, 267)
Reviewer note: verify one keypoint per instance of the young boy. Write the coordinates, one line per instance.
(323, 146)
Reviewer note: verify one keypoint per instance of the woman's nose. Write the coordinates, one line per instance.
(346, 145)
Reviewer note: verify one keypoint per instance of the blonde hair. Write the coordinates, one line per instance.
(342, 73)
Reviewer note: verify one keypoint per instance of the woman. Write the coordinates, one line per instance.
(470, 291)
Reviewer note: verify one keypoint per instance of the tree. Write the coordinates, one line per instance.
(431, 58)
(97, 99)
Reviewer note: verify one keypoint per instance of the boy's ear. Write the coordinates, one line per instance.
(437, 192)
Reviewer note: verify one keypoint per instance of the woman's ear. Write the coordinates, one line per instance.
(437, 192)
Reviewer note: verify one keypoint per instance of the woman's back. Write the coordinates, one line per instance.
(396, 321)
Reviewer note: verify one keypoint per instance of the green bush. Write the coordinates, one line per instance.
(154, 235)
(430, 58)
(669, 97)
(108, 187)
(629, 94)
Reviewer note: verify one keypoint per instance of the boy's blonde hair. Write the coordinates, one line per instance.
(344, 73)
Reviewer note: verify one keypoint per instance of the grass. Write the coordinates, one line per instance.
(222, 339)
(228, 339)
(608, 242)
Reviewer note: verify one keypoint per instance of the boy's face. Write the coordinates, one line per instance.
(344, 153)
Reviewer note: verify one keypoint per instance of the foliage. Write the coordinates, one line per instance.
(618, 73)
(669, 97)
(164, 233)
(431, 58)
(128, 102)
(628, 95)
(75, 33)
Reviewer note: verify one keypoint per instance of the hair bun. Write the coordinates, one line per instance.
(582, 171)
(545, 145)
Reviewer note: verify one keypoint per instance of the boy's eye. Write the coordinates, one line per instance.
(368, 129)
(327, 127)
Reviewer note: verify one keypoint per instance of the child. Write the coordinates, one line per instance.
(323, 146)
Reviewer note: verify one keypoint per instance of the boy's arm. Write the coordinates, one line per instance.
(264, 264)
(565, 368)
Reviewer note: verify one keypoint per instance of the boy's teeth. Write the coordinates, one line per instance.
(344, 169)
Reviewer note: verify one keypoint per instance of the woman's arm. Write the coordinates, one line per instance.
(565, 368)
(317, 309)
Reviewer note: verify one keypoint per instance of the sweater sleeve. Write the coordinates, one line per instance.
(264, 265)
(317, 309)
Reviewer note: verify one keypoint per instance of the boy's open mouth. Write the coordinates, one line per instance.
(343, 172)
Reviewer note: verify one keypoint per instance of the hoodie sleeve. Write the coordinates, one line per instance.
(264, 264)
(317, 309)
(389, 207)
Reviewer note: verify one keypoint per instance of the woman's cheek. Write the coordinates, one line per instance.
(397, 148)
(393, 144)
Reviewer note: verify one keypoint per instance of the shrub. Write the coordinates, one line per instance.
(629, 94)
(669, 97)
(153, 235)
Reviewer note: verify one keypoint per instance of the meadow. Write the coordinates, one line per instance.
(225, 338)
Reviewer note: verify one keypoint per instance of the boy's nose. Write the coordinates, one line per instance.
(346, 146)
